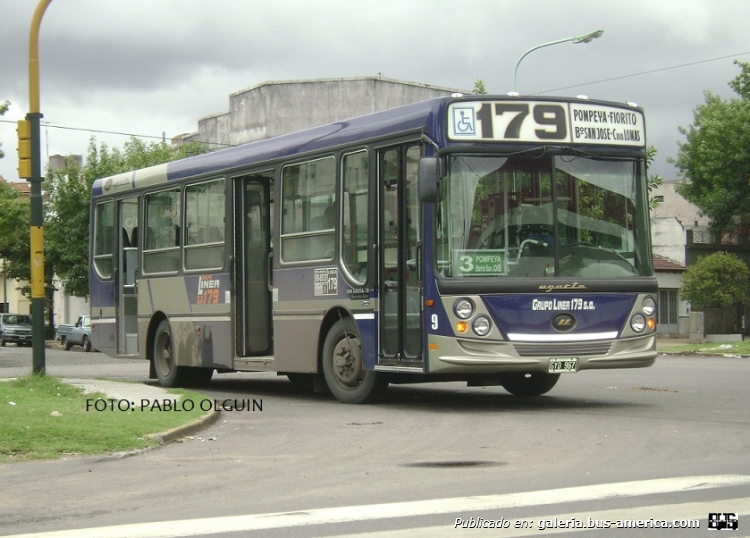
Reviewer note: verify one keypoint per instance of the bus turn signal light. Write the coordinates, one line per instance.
(462, 327)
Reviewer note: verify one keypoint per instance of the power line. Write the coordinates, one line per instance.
(54, 126)
(661, 69)
(101, 131)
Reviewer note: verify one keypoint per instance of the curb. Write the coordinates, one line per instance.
(179, 432)
(703, 354)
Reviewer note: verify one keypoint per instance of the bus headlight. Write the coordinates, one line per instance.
(481, 326)
(463, 308)
(638, 323)
(649, 306)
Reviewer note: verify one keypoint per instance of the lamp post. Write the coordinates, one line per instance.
(30, 168)
(583, 38)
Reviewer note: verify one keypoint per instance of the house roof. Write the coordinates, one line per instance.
(23, 187)
(665, 265)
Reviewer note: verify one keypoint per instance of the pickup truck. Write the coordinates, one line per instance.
(78, 334)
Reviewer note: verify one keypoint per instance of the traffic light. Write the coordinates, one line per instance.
(24, 149)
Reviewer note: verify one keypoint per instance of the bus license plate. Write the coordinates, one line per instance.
(557, 366)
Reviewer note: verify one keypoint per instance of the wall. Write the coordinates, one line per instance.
(668, 238)
(276, 108)
(67, 308)
(674, 205)
(9, 293)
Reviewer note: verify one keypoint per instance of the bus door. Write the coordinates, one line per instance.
(253, 263)
(128, 271)
(399, 254)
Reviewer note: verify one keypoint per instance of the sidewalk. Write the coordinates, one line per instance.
(138, 391)
(664, 343)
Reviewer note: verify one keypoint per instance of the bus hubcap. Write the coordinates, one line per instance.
(347, 361)
(164, 354)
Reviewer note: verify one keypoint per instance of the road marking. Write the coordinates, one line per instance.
(666, 512)
(342, 514)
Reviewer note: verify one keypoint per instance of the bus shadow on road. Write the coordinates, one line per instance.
(456, 396)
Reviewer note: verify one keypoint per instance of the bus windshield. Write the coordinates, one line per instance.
(542, 216)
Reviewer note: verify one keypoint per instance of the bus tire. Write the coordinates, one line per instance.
(167, 372)
(343, 366)
(530, 383)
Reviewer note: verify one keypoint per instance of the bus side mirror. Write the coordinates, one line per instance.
(428, 173)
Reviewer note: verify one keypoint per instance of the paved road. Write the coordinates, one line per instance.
(605, 445)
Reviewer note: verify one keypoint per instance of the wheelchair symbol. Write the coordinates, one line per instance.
(464, 122)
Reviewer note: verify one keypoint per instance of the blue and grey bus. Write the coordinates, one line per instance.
(492, 240)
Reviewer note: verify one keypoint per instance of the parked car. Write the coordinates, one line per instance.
(15, 328)
(78, 334)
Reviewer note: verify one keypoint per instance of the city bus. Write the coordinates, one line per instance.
(491, 240)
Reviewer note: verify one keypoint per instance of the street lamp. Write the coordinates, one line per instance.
(583, 38)
(30, 168)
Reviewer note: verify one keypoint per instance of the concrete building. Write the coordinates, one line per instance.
(58, 162)
(67, 308)
(11, 298)
(671, 204)
(275, 108)
(668, 245)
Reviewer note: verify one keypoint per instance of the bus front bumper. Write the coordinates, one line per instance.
(455, 356)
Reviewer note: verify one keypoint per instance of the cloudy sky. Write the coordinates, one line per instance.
(154, 67)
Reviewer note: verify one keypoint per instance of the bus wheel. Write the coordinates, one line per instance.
(529, 384)
(166, 370)
(343, 366)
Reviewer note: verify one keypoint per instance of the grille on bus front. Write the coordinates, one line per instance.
(562, 349)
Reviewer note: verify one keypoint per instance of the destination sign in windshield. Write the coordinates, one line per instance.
(545, 122)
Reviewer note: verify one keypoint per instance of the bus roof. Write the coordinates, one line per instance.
(402, 119)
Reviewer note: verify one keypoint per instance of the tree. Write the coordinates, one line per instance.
(654, 181)
(67, 219)
(14, 234)
(714, 162)
(717, 280)
(67, 228)
(479, 88)
(3, 109)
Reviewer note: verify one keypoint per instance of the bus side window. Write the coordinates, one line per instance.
(104, 238)
(204, 217)
(355, 222)
(162, 215)
(307, 190)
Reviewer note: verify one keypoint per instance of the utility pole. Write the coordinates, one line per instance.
(30, 168)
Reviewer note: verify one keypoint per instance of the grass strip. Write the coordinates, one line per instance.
(714, 348)
(42, 417)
